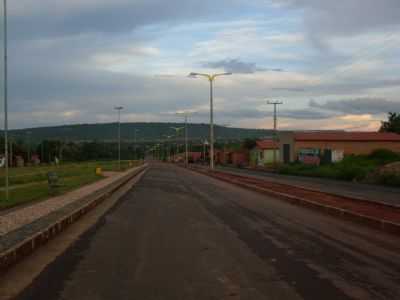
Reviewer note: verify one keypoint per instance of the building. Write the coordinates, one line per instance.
(35, 160)
(333, 146)
(222, 157)
(239, 158)
(263, 153)
(194, 157)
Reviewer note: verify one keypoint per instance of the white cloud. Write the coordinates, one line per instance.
(120, 58)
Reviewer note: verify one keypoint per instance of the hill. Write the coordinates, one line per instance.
(146, 132)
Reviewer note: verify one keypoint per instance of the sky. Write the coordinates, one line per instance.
(333, 64)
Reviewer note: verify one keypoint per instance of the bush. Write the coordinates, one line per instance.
(384, 156)
(389, 179)
(350, 168)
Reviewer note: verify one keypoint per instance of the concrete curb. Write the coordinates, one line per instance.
(383, 225)
(26, 247)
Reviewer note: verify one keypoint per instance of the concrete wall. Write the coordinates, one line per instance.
(269, 156)
(286, 137)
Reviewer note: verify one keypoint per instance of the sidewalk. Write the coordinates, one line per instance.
(18, 217)
(361, 191)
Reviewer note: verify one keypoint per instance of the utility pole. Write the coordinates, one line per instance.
(275, 137)
(5, 34)
(119, 108)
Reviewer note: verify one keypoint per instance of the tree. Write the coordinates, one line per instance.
(249, 144)
(393, 123)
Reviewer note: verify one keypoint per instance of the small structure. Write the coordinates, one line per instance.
(263, 153)
(20, 162)
(239, 158)
(222, 157)
(194, 157)
(35, 160)
(332, 146)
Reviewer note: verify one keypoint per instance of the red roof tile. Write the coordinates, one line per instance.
(347, 136)
(267, 144)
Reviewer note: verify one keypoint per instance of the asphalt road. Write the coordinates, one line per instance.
(376, 193)
(181, 235)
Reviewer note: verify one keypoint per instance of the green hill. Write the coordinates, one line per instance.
(147, 132)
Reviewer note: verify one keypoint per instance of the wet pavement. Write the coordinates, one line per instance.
(182, 235)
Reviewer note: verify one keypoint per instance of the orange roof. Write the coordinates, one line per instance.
(267, 144)
(347, 136)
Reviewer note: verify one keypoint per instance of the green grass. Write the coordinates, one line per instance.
(30, 183)
(352, 168)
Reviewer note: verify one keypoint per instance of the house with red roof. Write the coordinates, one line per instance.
(263, 153)
(332, 146)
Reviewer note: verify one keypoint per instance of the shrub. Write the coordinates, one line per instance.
(384, 156)
(389, 179)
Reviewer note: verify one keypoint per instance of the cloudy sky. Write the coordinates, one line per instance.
(334, 64)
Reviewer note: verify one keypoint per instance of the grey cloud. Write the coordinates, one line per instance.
(352, 86)
(237, 66)
(306, 114)
(324, 19)
(300, 114)
(289, 89)
(359, 106)
(67, 18)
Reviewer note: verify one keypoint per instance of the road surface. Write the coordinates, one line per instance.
(182, 235)
(376, 193)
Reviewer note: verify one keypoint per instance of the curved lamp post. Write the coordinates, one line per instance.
(186, 115)
(177, 130)
(211, 78)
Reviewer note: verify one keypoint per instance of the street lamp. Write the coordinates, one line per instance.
(168, 148)
(211, 78)
(28, 140)
(186, 116)
(134, 142)
(5, 34)
(177, 130)
(119, 108)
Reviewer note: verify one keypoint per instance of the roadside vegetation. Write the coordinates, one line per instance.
(360, 168)
(30, 183)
